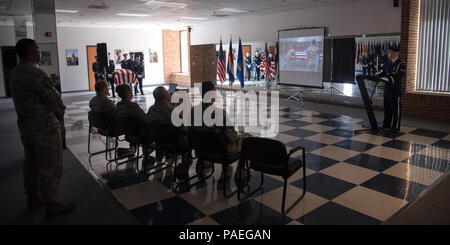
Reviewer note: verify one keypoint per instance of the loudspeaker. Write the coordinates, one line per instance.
(102, 55)
(395, 3)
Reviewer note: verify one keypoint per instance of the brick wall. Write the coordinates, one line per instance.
(436, 106)
(172, 58)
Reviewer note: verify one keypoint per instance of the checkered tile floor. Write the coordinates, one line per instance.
(351, 179)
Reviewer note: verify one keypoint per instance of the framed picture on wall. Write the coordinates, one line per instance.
(153, 56)
(46, 58)
(118, 55)
(72, 57)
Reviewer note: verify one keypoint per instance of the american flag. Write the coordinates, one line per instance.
(122, 76)
(273, 70)
(262, 66)
(221, 65)
(267, 63)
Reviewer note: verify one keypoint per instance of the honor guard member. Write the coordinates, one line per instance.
(371, 63)
(130, 62)
(123, 63)
(110, 75)
(248, 66)
(393, 71)
(256, 61)
(39, 110)
(98, 73)
(138, 69)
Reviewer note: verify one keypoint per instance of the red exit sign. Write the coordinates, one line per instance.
(48, 34)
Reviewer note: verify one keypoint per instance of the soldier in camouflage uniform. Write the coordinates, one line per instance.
(100, 102)
(233, 141)
(39, 110)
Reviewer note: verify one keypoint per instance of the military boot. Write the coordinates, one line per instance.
(56, 208)
(34, 201)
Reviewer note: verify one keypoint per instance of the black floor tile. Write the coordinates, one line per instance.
(300, 132)
(324, 185)
(171, 211)
(308, 144)
(251, 212)
(403, 145)
(429, 133)
(336, 124)
(291, 116)
(387, 134)
(296, 123)
(341, 133)
(442, 144)
(268, 185)
(326, 116)
(371, 162)
(317, 163)
(334, 214)
(438, 164)
(394, 186)
(354, 145)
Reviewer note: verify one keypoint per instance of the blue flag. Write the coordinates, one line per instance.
(230, 66)
(240, 65)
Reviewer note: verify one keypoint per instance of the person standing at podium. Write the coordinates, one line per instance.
(393, 71)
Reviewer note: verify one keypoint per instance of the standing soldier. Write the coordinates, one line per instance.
(140, 74)
(110, 75)
(256, 60)
(39, 110)
(98, 73)
(393, 70)
(123, 63)
(248, 66)
(130, 62)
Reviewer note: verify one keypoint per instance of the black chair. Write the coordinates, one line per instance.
(210, 146)
(105, 126)
(270, 156)
(166, 141)
(132, 130)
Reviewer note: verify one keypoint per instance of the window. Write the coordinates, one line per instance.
(433, 54)
(184, 51)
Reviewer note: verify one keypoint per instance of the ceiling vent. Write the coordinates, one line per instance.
(219, 15)
(97, 6)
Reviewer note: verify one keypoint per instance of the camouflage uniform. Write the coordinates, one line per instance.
(131, 109)
(104, 105)
(233, 141)
(39, 111)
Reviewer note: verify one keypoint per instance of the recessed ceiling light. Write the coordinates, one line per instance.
(132, 15)
(66, 11)
(165, 4)
(233, 10)
(193, 18)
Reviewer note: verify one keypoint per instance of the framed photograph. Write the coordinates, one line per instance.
(153, 56)
(118, 55)
(46, 58)
(72, 57)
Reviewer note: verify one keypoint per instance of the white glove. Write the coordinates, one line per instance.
(110, 75)
(139, 76)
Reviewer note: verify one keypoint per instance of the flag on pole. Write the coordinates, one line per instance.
(230, 67)
(221, 64)
(240, 65)
(267, 63)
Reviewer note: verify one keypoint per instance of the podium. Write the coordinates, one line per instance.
(368, 100)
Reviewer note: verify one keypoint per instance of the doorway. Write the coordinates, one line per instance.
(245, 49)
(91, 51)
(9, 61)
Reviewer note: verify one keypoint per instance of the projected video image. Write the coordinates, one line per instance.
(301, 54)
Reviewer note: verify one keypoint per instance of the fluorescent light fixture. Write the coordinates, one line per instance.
(66, 11)
(3, 7)
(193, 18)
(233, 10)
(166, 4)
(132, 15)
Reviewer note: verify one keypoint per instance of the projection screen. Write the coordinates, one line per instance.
(301, 57)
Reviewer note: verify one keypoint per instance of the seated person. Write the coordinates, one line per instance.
(161, 112)
(127, 108)
(100, 102)
(233, 141)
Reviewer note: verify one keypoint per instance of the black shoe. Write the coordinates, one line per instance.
(34, 201)
(57, 208)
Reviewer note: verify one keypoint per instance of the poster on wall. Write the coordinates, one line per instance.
(118, 55)
(72, 57)
(136, 54)
(153, 56)
(46, 58)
